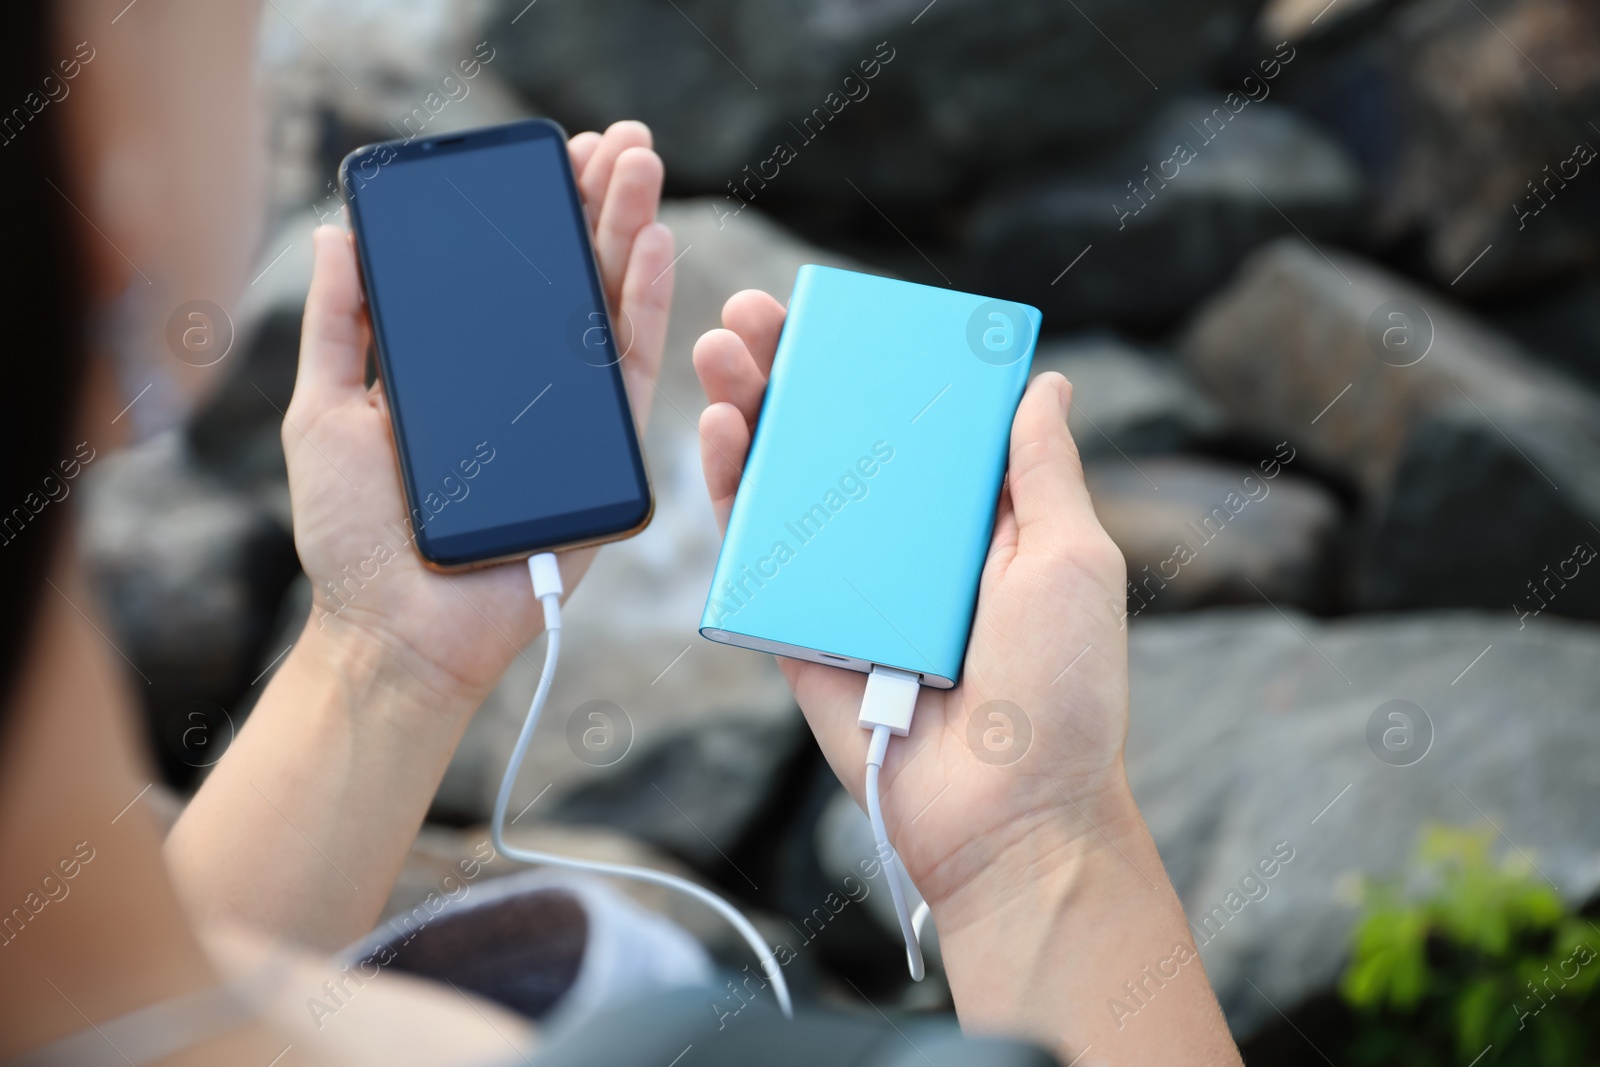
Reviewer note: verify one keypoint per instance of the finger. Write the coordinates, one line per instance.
(1045, 478)
(724, 443)
(630, 205)
(581, 149)
(618, 138)
(646, 301)
(728, 374)
(333, 332)
(758, 318)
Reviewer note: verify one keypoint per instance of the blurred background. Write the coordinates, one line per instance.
(1326, 277)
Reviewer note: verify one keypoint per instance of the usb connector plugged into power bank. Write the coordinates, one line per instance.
(890, 699)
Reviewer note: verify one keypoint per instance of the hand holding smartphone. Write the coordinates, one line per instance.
(495, 346)
(353, 525)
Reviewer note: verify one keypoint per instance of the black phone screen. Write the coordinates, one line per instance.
(501, 371)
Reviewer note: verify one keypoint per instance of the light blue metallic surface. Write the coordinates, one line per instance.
(863, 518)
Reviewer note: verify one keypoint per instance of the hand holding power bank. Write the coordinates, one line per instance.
(1009, 807)
(863, 517)
(868, 499)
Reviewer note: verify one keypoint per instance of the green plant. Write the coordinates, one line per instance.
(1470, 954)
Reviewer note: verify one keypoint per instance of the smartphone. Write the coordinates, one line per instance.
(494, 344)
(864, 514)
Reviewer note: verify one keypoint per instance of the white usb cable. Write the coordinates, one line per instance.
(886, 709)
(547, 587)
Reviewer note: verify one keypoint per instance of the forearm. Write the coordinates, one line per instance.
(1081, 943)
(303, 826)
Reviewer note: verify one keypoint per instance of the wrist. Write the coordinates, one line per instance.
(1087, 861)
(345, 750)
(395, 681)
(1050, 942)
(1047, 854)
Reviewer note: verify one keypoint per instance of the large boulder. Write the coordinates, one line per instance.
(1251, 729)
(1197, 532)
(961, 88)
(1473, 122)
(1333, 351)
(1480, 466)
(1503, 515)
(1164, 218)
(1561, 323)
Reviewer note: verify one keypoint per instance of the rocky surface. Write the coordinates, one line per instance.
(1459, 482)
(1197, 532)
(1447, 426)
(236, 435)
(338, 75)
(1559, 322)
(1250, 729)
(1456, 111)
(1298, 327)
(1298, 21)
(190, 572)
(723, 84)
(1162, 218)
(1127, 400)
(694, 793)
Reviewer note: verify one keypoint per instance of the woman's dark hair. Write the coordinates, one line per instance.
(42, 310)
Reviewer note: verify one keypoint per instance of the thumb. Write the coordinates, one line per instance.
(1045, 478)
(333, 334)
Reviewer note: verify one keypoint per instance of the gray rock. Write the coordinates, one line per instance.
(1197, 532)
(1558, 323)
(721, 256)
(1307, 20)
(1456, 110)
(1249, 729)
(1302, 345)
(1156, 233)
(693, 793)
(1480, 466)
(237, 433)
(190, 572)
(1125, 400)
(971, 88)
(333, 76)
(1504, 516)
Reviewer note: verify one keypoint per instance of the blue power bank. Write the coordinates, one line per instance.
(865, 511)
